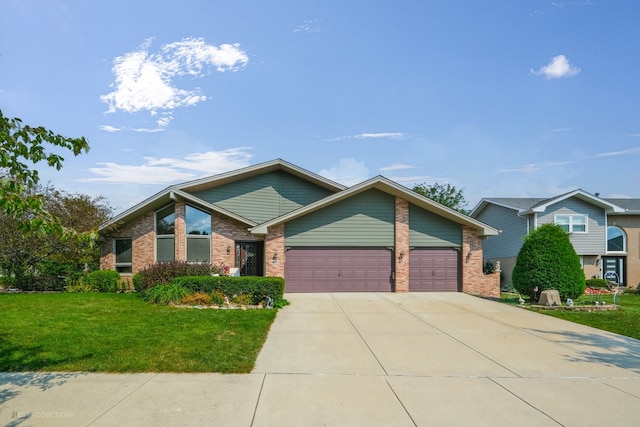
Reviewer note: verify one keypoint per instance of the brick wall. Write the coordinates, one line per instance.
(474, 281)
(274, 244)
(224, 233)
(402, 245)
(141, 232)
(180, 232)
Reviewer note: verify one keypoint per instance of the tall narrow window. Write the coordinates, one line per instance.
(165, 234)
(615, 239)
(198, 235)
(122, 249)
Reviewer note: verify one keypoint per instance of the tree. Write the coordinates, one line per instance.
(445, 194)
(547, 260)
(22, 148)
(32, 257)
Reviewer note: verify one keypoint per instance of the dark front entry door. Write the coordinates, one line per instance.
(613, 269)
(250, 258)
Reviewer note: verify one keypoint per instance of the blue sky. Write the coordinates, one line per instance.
(499, 98)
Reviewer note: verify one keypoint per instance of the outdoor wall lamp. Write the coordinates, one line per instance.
(275, 257)
(228, 249)
(469, 255)
(401, 256)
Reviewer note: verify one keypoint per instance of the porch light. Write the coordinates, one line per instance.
(228, 249)
(275, 257)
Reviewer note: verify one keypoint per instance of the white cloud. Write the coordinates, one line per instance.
(108, 128)
(382, 135)
(558, 67)
(532, 167)
(395, 167)
(379, 135)
(146, 81)
(165, 170)
(308, 26)
(348, 172)
(619, 153)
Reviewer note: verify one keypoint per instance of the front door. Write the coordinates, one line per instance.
(250, 258)
(613, 269)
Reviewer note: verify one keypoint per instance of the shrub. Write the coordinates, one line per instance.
(596, 283)
(217, 298)
(80, 286)
(548, 260)
(102, 280)
(168, 293)
(199, 298)
(243, 299)
(165, 272)
(257, 287)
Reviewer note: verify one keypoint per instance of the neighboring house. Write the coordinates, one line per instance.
(277, 219)
(604, 232)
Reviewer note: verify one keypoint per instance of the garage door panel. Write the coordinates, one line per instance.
(433, 269)
(338, 269)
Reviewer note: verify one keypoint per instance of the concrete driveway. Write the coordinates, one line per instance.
(426, 359)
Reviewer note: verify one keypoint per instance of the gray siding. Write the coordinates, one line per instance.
(366, 219)
(513, 230)
(427, 229)
(264, 197)
(594, 241)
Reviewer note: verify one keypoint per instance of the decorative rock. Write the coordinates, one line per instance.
(550, 297)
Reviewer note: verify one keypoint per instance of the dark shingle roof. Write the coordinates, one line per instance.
(628, 204)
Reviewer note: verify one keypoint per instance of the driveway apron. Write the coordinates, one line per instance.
(434, 359)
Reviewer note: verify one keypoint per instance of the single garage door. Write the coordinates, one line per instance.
(338, 270)
(433, 269)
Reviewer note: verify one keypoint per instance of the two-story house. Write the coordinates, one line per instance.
(604, 232)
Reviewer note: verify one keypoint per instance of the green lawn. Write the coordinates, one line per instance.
(625, 321)
(122, 333)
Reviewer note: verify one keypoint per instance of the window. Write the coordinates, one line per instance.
(165, 234)
(572, 223)
(616, 241)
(123, 255)
(198, 230)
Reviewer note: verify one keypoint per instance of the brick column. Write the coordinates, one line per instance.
(474, 281)
(402, 246)
(180, 232)
(274, 254)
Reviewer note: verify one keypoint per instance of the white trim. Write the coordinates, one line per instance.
(571, 223)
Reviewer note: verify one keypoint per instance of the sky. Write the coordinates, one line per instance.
(499, 98)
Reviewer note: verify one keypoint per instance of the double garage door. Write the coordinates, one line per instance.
(367, 270)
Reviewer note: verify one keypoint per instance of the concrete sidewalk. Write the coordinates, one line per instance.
(369, 359)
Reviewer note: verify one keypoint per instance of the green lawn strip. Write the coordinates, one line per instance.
(624, 321)
(122, 333)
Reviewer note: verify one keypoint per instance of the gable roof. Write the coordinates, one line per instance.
(526, 206)
(387, 186)
(182, 191)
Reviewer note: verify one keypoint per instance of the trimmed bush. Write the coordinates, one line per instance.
(257, 287)
(548, 260)
(596, 283)
(164, 272)
(168, 293)
(102, 280)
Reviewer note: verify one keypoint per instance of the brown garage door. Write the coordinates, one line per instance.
(338, 269)
(433, 269)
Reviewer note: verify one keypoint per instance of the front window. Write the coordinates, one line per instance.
(616, 241)
(572, 223)
(165, 234)
(123, 255)
(198, 225)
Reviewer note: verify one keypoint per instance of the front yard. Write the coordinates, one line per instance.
(624, 321)
(122, 333)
